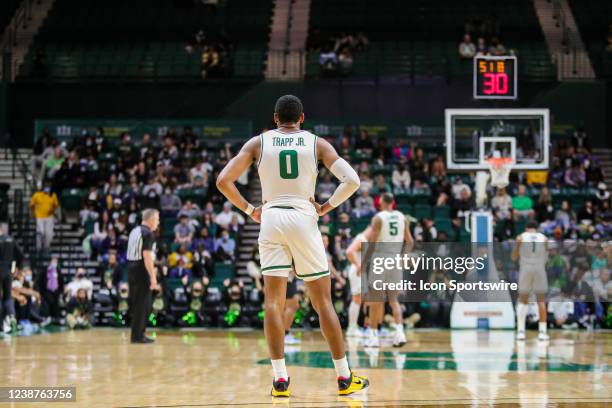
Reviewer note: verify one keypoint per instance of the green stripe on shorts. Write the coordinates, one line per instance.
(276, 267)
(313, 274)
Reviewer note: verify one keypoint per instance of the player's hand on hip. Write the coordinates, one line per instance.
(256, 215)
(321, 209)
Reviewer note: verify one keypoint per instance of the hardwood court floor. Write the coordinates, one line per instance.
(222, 368)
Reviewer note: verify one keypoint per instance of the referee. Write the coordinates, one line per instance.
(141, 273)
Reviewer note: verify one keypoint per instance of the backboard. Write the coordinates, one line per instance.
(473, 134)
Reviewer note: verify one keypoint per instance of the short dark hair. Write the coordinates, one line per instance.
(288, 108)
(387, 198)
(532, 225)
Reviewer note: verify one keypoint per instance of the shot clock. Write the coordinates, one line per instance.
(495, 77)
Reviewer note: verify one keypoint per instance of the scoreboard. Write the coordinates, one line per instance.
(495, 77)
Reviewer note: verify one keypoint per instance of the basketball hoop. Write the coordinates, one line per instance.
(500, 168)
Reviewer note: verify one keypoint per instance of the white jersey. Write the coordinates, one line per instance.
(534, 249)
(288, 169)
(393, 225)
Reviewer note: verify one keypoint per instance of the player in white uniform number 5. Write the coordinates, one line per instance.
(287, 159)
(388, 226)
(531, 250)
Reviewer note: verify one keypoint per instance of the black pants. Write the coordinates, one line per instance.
(140, 299)
(7, 304)
(51, 304)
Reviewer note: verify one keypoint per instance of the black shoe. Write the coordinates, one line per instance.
(280, 388)
(144, 340)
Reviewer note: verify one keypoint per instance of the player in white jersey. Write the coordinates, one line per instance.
(531, 250)
(353, 254)
(287, 159)
(388, 226)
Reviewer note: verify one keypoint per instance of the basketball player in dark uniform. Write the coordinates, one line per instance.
(142, 276)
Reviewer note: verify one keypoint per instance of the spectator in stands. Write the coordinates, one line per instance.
(54, 162)
(400, 179)
(27, 300)
(328, 61)
(565, 216)
(183, 231)
(364, 204)
(497, 48)
(225, 247)
(364, 144)
(170, 203)
(467, 49)
(224, 218)
(602, 195)
(190, 210)
(522, 204)
(202, 259)
(502, 204)
(180, 271)
(51, 287)
(481, 47)
(326, 187)
(543, 208)
(586, 215)
(438, 168)
(575, 175)
(464, 204)
(380, 185)
(79, 311)
(43, 205)
(80, 281)
(182, 253)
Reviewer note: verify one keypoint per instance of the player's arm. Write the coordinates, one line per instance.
(349, 180)
(408, 241)
(233, 170)
(371, 235)
(351, 253)
(516, 250)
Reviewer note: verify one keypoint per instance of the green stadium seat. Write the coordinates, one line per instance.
(422, 211)
(71, 200)
(222, 271)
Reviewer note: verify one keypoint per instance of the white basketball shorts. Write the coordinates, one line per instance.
(289, 237)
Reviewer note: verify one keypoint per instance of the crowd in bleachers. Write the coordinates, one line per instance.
(107, 184)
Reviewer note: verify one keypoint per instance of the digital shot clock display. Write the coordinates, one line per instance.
(495, 77)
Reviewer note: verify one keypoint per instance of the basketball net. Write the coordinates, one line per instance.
(500, 168)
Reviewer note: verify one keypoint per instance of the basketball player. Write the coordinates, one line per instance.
(353, 254)
(531, 250)
(388, 226)
(287, 159)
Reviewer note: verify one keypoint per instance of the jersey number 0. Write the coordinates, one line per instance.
(288, 164)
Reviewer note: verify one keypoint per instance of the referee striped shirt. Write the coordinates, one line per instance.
(140, 239)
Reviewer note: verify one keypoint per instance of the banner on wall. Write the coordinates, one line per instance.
(205, 129)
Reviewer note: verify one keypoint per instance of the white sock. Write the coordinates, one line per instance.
(399, 328)
(353, 314)
(542, 327)
(342, 368)
(521, 315)
(279, 369)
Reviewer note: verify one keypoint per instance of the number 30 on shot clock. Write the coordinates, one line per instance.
(495, 77)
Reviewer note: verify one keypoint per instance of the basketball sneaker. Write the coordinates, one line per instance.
(542, 336)
(399, 339)
(353, 331)
(352, 384)
(371, 339)
(520, 336)
(280, 388)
